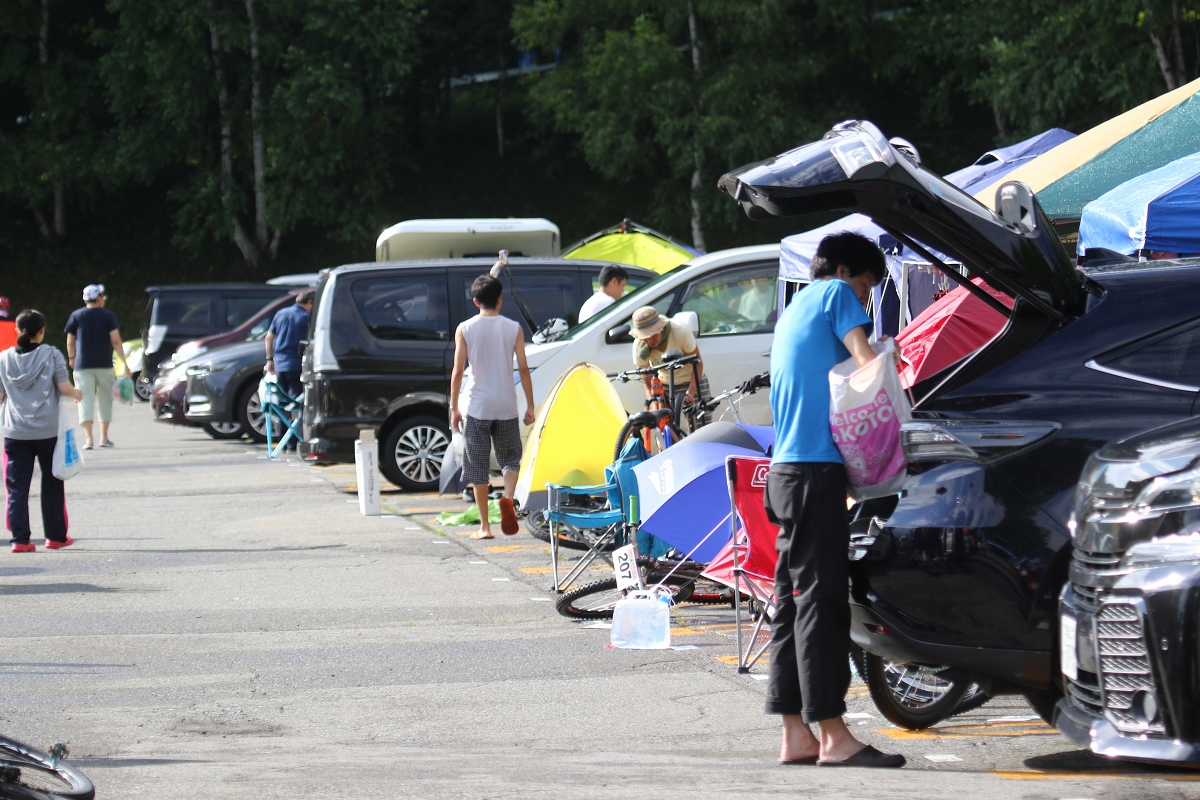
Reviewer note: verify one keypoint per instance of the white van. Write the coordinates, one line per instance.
(733, 295)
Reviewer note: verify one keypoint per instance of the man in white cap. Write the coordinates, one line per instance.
(92, 338)
(654, 336)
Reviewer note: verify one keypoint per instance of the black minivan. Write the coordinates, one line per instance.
(181, 313)
(382, 348)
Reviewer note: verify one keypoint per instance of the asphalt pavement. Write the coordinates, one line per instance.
(227, 626)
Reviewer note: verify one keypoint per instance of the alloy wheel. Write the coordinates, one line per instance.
(419, 453)
(227, 428)
(916, 686)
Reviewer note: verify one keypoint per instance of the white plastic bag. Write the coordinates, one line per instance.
(866, 409)
(68, 461)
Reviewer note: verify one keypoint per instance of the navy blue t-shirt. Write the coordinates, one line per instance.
(289, 326)
(93, 345)
(807, 344)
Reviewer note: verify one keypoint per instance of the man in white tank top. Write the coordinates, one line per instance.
(489, 341)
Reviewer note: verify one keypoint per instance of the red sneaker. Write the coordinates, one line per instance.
(53, 545)
(28, 547)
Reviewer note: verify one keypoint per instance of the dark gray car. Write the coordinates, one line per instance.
(222, 384)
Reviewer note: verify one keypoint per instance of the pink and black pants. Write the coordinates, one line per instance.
(19, 455)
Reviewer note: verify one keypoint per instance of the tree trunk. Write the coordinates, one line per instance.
(1001, 130)
(60, 212)
(1172, 80)
(1177, 35)
(249, 251)
(256, 124)
(697, 113)
(500, 104)
(38, 216)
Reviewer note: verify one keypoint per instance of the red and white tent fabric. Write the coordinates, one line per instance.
(952, 328)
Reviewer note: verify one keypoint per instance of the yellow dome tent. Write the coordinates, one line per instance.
(633, 244)
(572, 439)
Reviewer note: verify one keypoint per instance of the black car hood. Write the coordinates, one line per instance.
(854, 168)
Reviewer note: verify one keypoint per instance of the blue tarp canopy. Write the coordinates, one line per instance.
(1158, 211)
(796, 251)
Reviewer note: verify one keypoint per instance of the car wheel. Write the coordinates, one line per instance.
(912, 696)
(142, 387)
(250, 414)
(223, 430)
(412, 453)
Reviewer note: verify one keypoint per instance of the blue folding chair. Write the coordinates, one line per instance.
(279, 408)
(598, 529)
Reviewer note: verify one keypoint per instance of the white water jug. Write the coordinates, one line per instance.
(642, 621)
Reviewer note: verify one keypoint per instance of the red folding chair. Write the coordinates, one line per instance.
(747, 563)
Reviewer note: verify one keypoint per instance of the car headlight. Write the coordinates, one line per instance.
(188, 350)
(1174, 549)
(1169, 493)
(203, 369)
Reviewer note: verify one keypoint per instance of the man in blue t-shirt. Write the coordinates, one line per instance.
(289, 326)
(806, 497)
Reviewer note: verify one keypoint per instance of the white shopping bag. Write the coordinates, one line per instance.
(68, 461)
(866, 409)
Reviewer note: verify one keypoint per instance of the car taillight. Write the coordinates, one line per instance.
(971, 440)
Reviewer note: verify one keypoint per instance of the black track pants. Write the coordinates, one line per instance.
(810, 634)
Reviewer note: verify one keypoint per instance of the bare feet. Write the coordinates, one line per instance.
(837, 743)
(482, 535)
(799, 744)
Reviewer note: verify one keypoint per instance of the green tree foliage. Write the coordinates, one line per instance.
(272, 113)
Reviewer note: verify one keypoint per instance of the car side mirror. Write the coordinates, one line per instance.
(1014, 204)
(618, 335)
(690, 319)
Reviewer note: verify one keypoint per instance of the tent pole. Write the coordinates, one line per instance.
(905, 317)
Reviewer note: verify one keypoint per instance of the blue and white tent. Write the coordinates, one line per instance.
(1158, 211)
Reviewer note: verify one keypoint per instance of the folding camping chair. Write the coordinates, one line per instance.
(598, 529)
(747, 563)
(279, 408)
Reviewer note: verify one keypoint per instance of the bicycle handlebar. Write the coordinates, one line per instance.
(672, 365)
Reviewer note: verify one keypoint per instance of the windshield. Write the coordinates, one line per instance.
(628, 303)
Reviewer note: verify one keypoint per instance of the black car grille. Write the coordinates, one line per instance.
(1097, 561)
(1085, 695)
(1124, 664)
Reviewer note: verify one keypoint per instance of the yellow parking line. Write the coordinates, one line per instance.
(999, 729)
(512, 548)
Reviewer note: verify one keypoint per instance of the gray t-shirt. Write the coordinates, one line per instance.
(29, 380)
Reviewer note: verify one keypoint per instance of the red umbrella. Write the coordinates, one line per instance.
(953, 327)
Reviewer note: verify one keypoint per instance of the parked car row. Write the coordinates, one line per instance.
(996, 565)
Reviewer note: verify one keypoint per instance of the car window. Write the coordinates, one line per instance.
(403, 307)
(240, 309)
(546, 295)
(1174, 358)
(634, 282)
(740, 300)
(185, 310)
(261, 326)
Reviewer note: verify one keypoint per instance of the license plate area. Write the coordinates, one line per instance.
(1069, 645)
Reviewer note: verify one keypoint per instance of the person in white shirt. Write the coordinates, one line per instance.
(612, 289)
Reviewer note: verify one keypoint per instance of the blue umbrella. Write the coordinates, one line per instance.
(1156, 211)
(682, 492)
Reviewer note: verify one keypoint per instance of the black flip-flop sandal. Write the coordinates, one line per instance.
(795, 762)
(867, 757)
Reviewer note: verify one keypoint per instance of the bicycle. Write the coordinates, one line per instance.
(751, 386)
(27, 773)
(668, 408)
(681, 576)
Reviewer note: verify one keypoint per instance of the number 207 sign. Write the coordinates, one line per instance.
(625, 567)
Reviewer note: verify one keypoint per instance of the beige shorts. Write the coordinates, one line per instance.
(96, 385)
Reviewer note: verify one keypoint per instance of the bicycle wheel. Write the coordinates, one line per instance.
(623, 437)
(596, 600)
(27, 773)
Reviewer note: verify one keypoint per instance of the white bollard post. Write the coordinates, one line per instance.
(366, 467)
